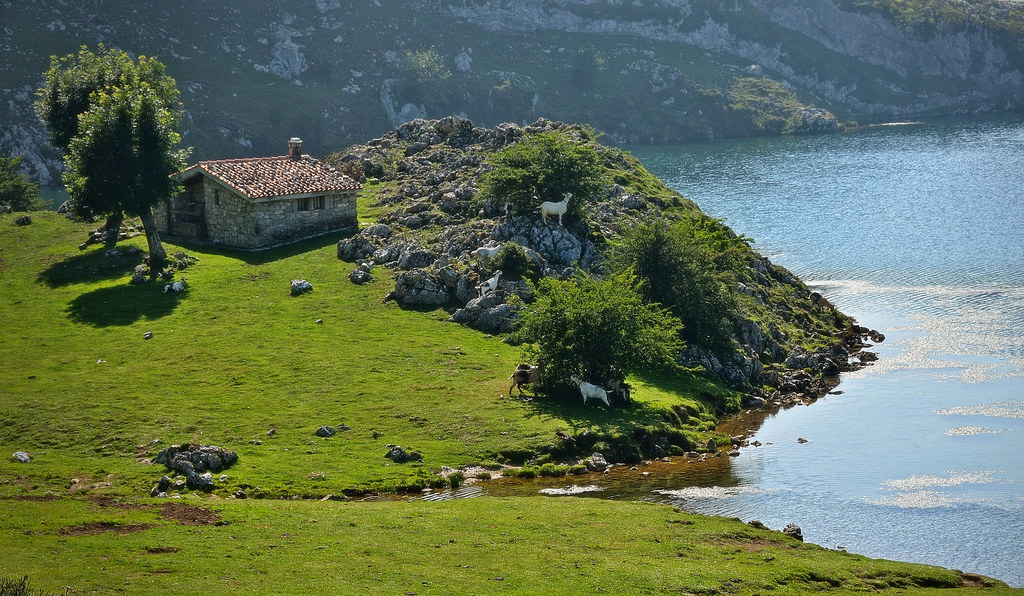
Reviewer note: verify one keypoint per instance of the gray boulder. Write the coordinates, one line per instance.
(325, 431)
(23, 220)
(596, 463)
(197, 481)
(399, 455)
(187, 458)
(360, 277)
(793, 531)
(420, 288)
(22, 457)
(301, 286)
(356, 247)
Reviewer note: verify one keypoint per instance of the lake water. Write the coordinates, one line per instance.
(915, 230)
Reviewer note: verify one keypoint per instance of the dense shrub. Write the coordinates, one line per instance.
(597, 328)
(685, 269)
(15, 189)
(514, 263)
(541, 168)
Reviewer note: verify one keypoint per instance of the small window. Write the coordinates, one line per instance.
(216, 196)
(303, 204)
(319, 202)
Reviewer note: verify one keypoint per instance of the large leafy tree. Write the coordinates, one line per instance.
(677, 268)
(116, 119)
(542, 167)
(597, 328)
(15, 189)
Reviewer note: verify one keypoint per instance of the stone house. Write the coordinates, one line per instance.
(259, 202)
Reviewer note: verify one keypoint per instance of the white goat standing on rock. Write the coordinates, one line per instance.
(591, 391)
(490, 285)
(486, 253)
(550, 208)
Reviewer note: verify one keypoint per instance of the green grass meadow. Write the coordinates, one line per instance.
(235, 356)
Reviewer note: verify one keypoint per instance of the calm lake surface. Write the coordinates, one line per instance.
(915, 230)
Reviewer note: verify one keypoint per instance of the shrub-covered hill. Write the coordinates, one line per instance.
(441, 193)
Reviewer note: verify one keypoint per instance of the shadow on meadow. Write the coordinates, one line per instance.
(269, 255)
(121, 305)
(90, 266)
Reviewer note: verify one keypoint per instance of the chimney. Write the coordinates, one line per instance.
(295, 147)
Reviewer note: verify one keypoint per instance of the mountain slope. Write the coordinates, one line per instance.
(253, 75)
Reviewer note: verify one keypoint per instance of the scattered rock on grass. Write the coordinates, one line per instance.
(301, 286)
(187, 458)
(399, 455)
(24, 220)
(325, 431)
(22, 457)
(794, 531)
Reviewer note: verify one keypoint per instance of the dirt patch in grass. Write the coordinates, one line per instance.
(157, 550)
(93, 528)
(973, 580)
(188, 515)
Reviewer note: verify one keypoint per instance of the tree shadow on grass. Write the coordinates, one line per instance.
(262, 257)
(91, 266)
(594, 416)
(121, 305)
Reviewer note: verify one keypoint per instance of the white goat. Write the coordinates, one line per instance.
(550, 208)
(590, 391)
(176, 287)
(486, 253)
(490, 285)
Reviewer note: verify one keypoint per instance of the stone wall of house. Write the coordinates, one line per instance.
(233, 220)
(277, 222)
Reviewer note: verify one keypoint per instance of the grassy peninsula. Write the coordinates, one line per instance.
(236, 361)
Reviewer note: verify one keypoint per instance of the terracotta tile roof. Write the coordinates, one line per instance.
(280, 176)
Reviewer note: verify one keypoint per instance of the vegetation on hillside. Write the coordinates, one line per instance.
(15, 190)
(117, 122)
(544, 167)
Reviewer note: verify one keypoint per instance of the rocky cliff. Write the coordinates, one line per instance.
(254, 74)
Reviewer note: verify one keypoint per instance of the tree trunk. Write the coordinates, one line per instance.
(157, 254)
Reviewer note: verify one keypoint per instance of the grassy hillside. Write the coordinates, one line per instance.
(87, 397)
(472, 546)
(237, 355)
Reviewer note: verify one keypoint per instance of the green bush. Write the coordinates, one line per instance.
(456, 479)
(685, 268)
(590, 327)
(10, 587)
(15, 189)
(552, 470)
(543, 167)
(514, 263)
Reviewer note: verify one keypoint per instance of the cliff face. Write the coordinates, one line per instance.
(253, 75)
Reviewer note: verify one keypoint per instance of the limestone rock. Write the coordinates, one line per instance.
(23, 220)
(187, 458)
(22, 457)
(793, 531)
(300, 286)
(325, 431)
(399, 455)
(596, 463)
